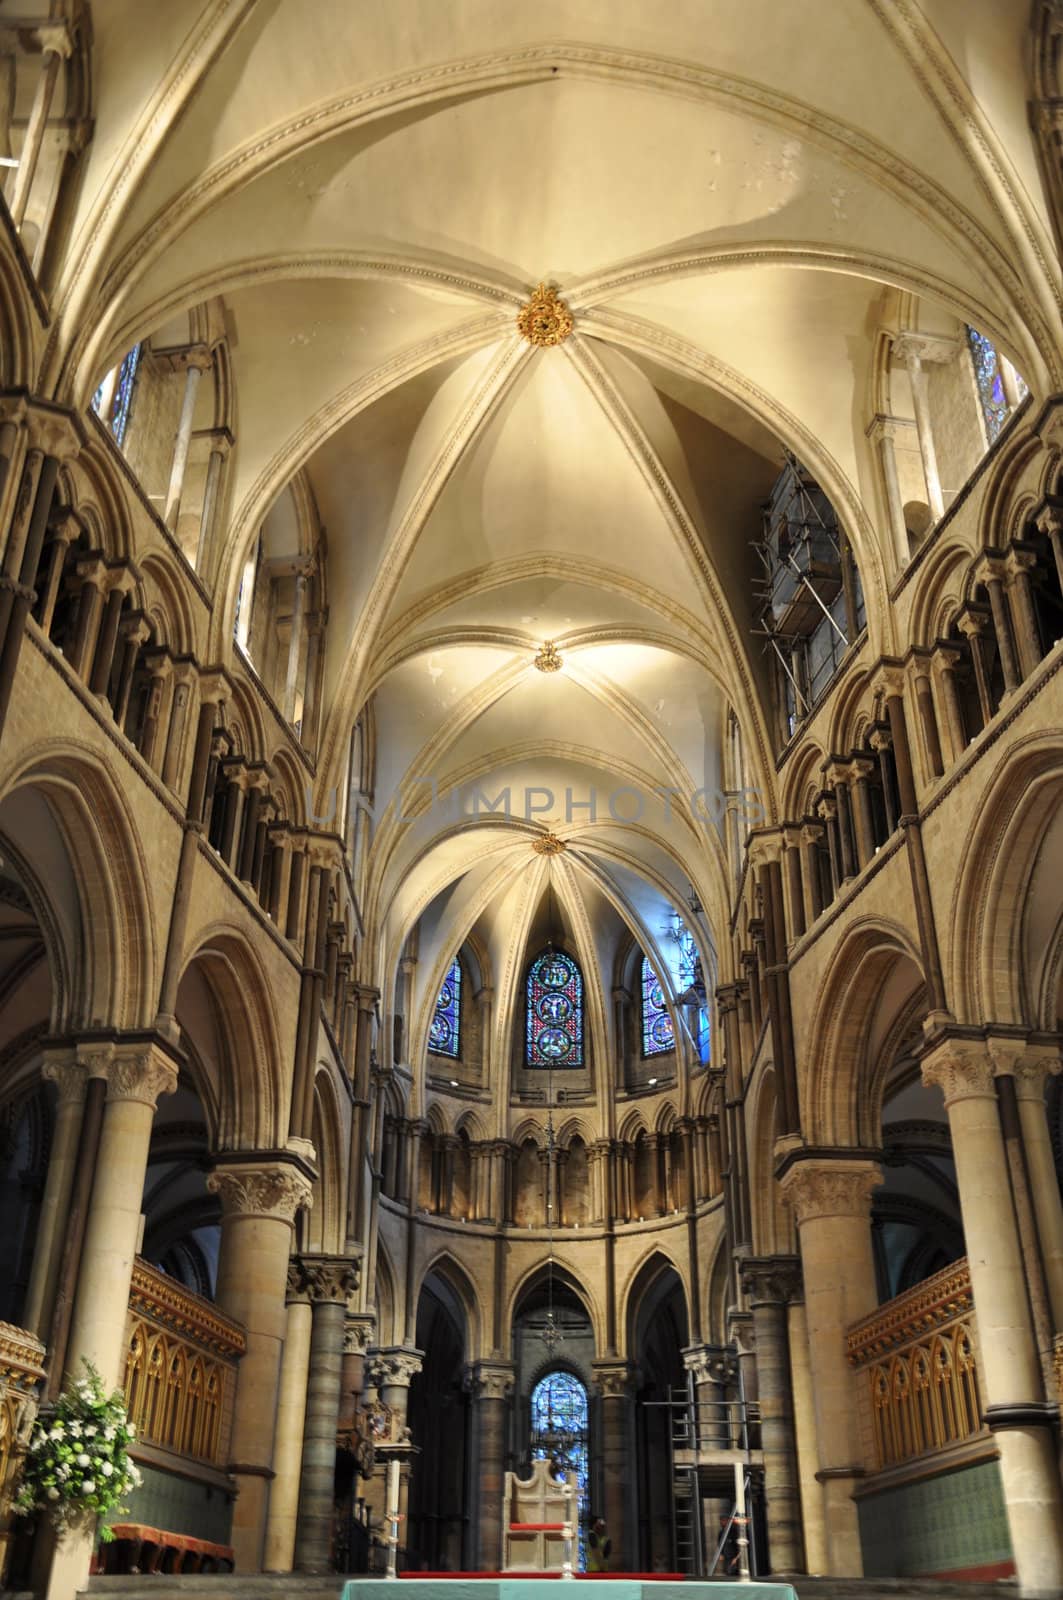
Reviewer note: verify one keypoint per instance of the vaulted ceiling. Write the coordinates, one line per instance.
(730, 195)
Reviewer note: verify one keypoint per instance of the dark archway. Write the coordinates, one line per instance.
(437, 1531)
(658, 1331)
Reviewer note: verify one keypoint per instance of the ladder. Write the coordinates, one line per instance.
(688, 1540)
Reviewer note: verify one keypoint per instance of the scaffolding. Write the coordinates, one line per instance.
(809, 602)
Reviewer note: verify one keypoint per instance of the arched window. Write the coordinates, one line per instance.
(658, 1036)
(559, 1434)
(989, 376)
(444, 1036)
(114, 397)
(555, 1012)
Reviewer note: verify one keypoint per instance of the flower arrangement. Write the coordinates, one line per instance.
(77, 1465)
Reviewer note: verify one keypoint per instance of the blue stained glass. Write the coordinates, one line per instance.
(123, 394)
(988, 377)
(444, 1036)
(555, 1012)
(559, 1433)
(657, 1033)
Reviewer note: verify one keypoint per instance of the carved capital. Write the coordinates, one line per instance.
(771, 1280)
(614, 1379)
(274, 1189)
(330, 1279)
(818, 1189)
(296, 1292)
(896, 429)
(914, 348)
(1028, 1064)
(490, 1380)
(68, 1074)
(140, 1072)
(711, 1363)
(358, 1331)
(394, 1366)
(963, 1070)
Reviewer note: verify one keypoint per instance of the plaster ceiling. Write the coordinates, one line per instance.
(730, 197)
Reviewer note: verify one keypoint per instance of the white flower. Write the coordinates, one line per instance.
(53, 1494)
(106, 1469)
(108, 1432)
(62, 1471)
(75, 1430)
(84, 1460)
(91, 1431)
(88, 1486)
(57, 1432)
(130, 1430)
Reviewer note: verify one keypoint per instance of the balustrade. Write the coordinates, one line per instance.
(919, 1356)
(180, 1372)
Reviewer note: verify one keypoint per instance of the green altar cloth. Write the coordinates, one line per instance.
(463, 1588)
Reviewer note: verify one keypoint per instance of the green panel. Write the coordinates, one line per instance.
(942, 1524)
(178, 1505)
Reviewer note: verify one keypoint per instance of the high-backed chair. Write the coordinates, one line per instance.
(540, 1513)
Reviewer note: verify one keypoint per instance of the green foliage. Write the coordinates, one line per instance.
(78, 1464)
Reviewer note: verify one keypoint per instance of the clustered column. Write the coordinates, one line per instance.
(769, 1283)
(831, 1200)
(329, 1280)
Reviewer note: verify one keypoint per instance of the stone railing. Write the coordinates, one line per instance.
(918, 1353)
(21, 1370)
(180, 1373)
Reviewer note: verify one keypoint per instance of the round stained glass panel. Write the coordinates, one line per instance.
(554, 1007)
(555, 1044)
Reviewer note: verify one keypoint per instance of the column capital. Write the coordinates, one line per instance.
(296, 1292)
(614, 1378)
(1028, 1064)
(262, 1185)
(771, 1280)
(961, 1068)
(821, 1188)
(886, 427)
(358, 1331)
(710, 1363)
(70, 1076)
(142, 1072)
(329, 1280)
(888, 680)
(394, 1365)
(765, 847)
(917, 347)
(490, 1380)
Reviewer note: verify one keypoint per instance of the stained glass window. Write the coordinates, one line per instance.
(990, 381)
(555, 1012)
(690, 981)
(559, 1434)
(657, 1033)
(123, 394)
(444, 1036)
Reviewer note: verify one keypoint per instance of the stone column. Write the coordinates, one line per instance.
(62, 1068)
(795, 889)
(944, 669)
(827, 809)
(62, 531)
(221, 443)
(1031, 1068)
(883, 431)
(291, 1416)
(491, 1384)
(810, 835)
(614, 1380)
(928, 721)
(991, 573)
(769, 1283)
(196, 360)
(1050, 522)
(831, 1200)
(1018, 565)
(295, 645)
(107, 639)
(714, 1371)
(913, 350)
(1017, 1412)
(137, 1074)
(55, 46)
(330, 1280)
(260, 1194)
(815, 1534)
